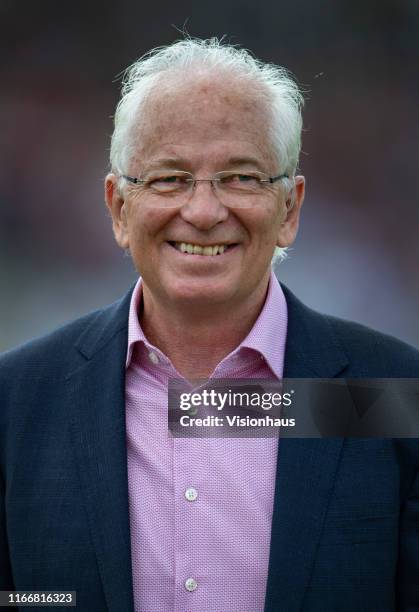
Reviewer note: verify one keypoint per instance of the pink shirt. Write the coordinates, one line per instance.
(200, 508)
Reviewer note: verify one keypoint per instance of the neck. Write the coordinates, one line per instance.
(195, 342)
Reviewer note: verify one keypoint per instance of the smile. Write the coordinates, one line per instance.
(197, 249)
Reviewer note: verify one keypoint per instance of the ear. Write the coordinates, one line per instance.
(117, 207)
(294, 200)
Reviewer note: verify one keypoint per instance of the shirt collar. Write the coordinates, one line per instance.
(269, 333)
(135, 332)
(267, 336)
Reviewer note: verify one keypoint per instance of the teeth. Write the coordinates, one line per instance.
(196, 249)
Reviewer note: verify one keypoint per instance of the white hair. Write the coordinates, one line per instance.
(271, 83)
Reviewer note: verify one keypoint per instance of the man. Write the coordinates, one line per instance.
(97, 498)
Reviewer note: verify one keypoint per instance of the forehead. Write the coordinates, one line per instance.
(202, 120)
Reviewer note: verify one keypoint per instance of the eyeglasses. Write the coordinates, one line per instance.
(233, 189)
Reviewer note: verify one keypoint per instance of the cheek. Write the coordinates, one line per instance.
(264, 229)
(137, 238)
(142, 224)
(146, 229)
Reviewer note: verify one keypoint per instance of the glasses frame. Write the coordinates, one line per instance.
(269, 180)
(166, 201)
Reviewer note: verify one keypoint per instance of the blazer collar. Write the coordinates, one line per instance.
(104, 326)
(313, 349)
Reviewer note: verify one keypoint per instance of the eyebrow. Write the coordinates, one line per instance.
(176, 162)
(245, 161)
(170, 162)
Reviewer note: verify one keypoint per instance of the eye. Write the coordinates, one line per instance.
(166, 179)
(168, 182)
(240, 181)
(246, 178)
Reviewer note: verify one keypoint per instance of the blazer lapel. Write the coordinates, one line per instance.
(97, 391)
(306, 467)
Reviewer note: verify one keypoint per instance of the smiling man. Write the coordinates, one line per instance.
(96, 496)
(201, 205)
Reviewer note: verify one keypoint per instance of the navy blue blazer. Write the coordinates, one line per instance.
(345, 527)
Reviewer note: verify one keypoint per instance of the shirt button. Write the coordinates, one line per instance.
(153, 358)
(191, 584)
(191, 494)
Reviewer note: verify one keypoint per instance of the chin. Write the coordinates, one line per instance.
(200, 293)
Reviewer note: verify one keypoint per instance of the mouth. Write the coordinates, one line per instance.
(198, 249)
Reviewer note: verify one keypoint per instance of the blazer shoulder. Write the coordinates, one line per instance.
(54, 352)
(374, 350)
(330, 345)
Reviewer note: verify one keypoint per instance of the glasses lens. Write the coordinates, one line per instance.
(167, 189)
(237, 188)
(173, 182)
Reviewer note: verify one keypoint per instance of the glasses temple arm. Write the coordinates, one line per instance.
(132, 179)
(273, 179)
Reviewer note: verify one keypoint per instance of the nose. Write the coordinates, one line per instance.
(204, 209)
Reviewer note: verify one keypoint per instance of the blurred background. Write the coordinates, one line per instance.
(357, 253)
